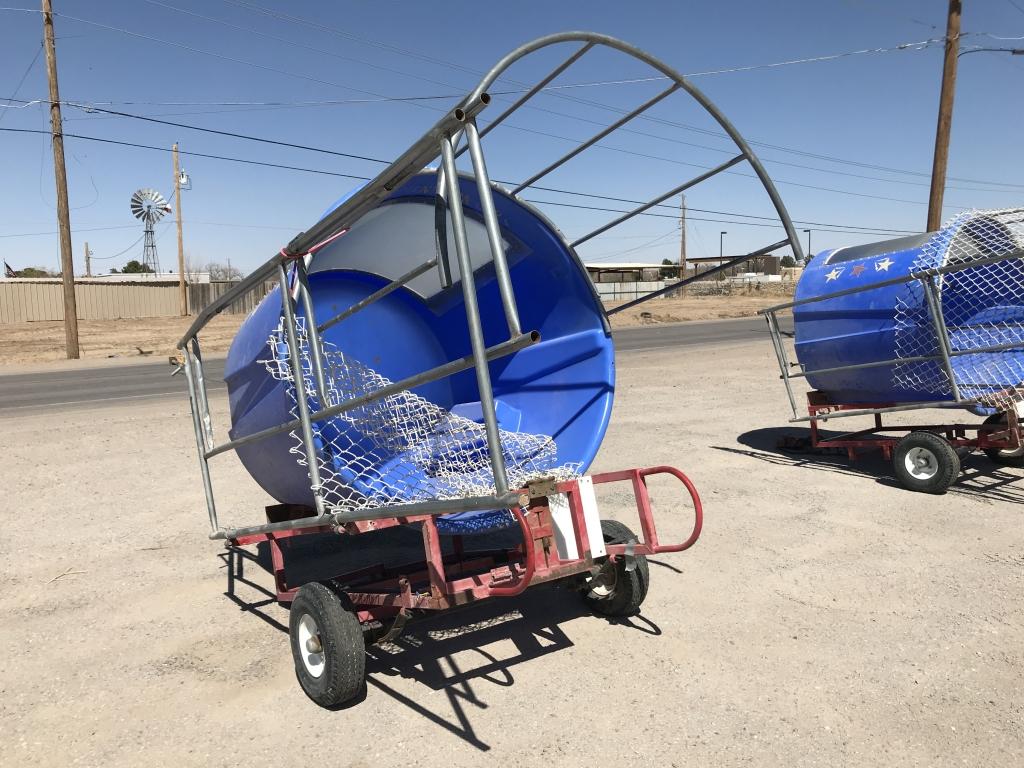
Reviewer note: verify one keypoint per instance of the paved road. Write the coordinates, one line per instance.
(65, 388)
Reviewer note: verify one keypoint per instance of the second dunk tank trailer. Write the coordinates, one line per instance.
(435, 359)
(931, 321)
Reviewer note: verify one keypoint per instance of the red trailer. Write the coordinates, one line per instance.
(925, 457)
(563, 539)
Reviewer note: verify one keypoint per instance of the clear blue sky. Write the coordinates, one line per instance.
(877, 109)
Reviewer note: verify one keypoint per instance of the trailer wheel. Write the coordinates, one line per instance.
(327, 646)
(925, 462)
(620, 587)
(1004, 458)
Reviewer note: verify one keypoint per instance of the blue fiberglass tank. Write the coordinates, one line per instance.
(561, 387)
(980, 306)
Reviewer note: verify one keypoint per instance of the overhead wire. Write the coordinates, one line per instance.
(406, 52)
(377, 160)
(866, 230)
(24, 76)
(233, 134)
(295, 19)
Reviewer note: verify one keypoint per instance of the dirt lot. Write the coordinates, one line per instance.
(157, 336)
(826, 617)
(101, 339)
(694, 308)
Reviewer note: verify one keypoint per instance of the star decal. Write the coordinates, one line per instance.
(883, 265)
(834, 274)
(858, 270)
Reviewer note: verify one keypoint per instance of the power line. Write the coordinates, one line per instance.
(224, 57)
(24, 76)
(195, 154)
(230, 134)
(77, 229)
(91, 107)
(352, 176)
(133, 226)
(903, 46)
(676, 216)
(294, 43)
(413, 54)
(722, 213)
(258, 139)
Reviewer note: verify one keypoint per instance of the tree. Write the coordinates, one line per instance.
(668, 269)
(221, 272)
(787, 261)
(134, 267)
(35, 272)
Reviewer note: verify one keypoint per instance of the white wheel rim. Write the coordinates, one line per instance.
(311, 646)
(921, 463)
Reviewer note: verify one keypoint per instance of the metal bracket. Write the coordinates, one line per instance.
(545, 486)
(396, 627)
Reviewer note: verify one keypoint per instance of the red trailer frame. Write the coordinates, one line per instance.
(1008, 437)
(438, 582)
(925, 457)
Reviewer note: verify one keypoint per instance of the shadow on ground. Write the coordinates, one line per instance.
(979, 476)
(447, 652)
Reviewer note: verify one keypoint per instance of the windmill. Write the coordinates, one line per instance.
(149, 206)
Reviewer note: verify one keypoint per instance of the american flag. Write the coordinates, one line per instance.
(8, 272)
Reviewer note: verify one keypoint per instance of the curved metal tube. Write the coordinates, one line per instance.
(630, 50)
(698, 508)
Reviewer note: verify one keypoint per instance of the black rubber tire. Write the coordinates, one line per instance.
(344, 673)
(997, 456)
(947, 463)
(630, 586)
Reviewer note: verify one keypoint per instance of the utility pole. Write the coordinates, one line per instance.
(182, 291)
(682, 236)
(88, 262)
(67, 264)
(945, 117)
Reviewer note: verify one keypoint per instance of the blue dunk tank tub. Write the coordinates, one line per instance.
(553, 398)
(931, 320)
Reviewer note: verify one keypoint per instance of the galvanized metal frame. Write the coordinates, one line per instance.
(933, 304)
(441, 141)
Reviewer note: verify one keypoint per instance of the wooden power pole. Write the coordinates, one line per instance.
(945, 117)
(682, 237)
(67, 264)
(88, 261)
(182, 290)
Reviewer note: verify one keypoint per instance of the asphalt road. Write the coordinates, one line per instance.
(67, 388)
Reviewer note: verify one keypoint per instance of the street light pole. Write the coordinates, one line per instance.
(721, 246)
(810, 253)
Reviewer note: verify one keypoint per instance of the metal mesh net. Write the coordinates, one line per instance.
(981, 308)
(401, 448)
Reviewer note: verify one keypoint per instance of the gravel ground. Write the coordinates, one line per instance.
(825, 618)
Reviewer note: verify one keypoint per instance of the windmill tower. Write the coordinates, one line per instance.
(149, 206)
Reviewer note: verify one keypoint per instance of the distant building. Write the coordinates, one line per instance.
(623, 272)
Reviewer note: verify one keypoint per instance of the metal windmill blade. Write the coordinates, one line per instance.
(149, 205)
